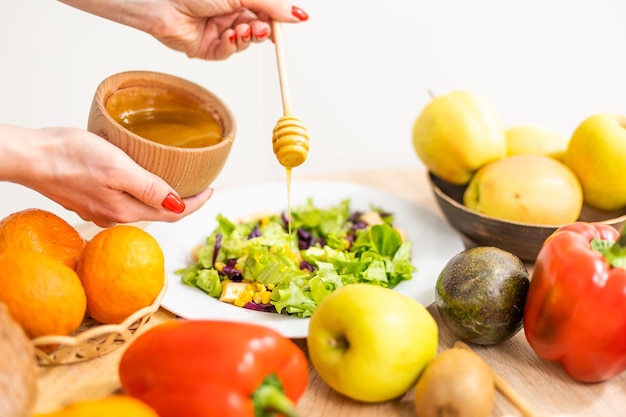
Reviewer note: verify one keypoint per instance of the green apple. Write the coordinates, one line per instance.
(532, 189)
(371, 343)
(597, 154)
(535, 140)
(457, 133)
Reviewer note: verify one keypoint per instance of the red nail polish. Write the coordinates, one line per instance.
(299, 13)
(173, 203)
(263, 34)
(233, 38)
(247, 35)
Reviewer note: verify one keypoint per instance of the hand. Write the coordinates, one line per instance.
(88, 175)
(204, 29)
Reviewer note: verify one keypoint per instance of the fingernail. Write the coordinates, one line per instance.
(233, 37)
(173, 203)
(299, 13)
(262, 34)
(247, 35)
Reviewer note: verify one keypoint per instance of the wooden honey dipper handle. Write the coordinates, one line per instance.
(282, 70)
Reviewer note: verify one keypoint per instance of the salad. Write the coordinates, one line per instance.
(275, 264)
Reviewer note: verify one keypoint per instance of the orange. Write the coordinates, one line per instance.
(122, 270)
(113, 405)
(41, 231)
(43, 295)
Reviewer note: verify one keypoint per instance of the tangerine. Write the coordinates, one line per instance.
(112, 405)
(41, 231)
(122, 270)
(42, 294)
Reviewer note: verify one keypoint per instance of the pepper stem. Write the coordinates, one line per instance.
(615, 253)
(270, 399)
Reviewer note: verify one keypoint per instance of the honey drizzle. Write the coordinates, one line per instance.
(288, 182)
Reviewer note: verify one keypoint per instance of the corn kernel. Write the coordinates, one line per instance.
(265, 297)
(256, 298)
(244, 298)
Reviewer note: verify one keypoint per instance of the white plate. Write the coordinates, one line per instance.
(433, 243)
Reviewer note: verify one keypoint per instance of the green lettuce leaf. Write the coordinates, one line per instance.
(377, 255)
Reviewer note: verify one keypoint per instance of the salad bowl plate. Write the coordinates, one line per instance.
(434, 242)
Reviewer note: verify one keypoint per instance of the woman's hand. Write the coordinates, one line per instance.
(207, 29)
(88, 175)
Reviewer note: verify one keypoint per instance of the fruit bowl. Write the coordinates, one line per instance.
(522, 239)
(93, 339)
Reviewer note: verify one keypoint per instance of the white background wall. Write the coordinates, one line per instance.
(359, 72)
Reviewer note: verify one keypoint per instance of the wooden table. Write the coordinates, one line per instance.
(544, 385)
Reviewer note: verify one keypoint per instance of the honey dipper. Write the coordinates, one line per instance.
(290, 138)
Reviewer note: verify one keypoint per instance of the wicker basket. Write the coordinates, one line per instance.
(93, 339)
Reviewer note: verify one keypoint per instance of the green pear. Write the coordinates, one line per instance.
(531, 189)
(597, 154)
(535, 140)
(456, 134)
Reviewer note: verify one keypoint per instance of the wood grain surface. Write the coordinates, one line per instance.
(543, 385)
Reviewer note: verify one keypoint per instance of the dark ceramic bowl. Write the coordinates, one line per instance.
(521, 239)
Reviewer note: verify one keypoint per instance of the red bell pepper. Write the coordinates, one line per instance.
(575, 312)
(200, 368)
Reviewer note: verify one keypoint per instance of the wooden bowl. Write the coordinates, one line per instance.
(522, 239)
(187, 170)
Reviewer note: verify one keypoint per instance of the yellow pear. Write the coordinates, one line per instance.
(597, 154)
(457, 133)
(531, 189)
(535, 140)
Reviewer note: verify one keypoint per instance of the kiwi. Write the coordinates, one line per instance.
(480, 295)
(456, 383)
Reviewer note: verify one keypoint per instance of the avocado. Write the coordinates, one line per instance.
(480, 295)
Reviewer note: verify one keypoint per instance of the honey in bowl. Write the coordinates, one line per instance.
(165, 117)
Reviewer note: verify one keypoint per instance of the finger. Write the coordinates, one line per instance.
(244, 36)
(129, 209)
(260, 31)
(149, 189)
(221, 48)
(191, 204)
(172, 202)
(160, 196)
(99, 220)
(281, 10)
(194, 203)
(104, 223)
(231, 41)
